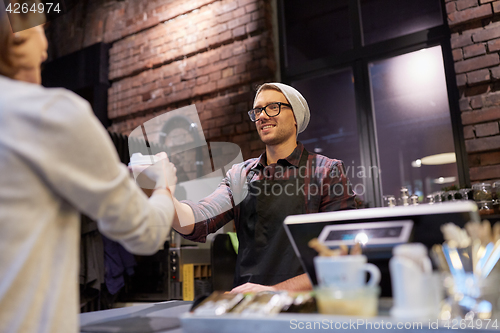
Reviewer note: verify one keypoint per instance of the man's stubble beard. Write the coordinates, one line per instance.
(280, 137)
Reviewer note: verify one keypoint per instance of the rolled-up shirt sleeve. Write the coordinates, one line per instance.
(214, 211)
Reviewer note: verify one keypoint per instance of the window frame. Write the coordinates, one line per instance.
(358, 59)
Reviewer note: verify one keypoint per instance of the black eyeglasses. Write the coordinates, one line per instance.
(272, 110)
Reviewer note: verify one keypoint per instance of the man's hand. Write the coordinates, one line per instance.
(298, 283)
(252, 287)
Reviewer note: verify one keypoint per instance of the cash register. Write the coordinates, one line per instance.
(378, 230)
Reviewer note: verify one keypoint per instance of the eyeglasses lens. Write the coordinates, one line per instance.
(271, 110)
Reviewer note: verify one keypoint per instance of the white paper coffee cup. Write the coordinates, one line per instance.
(139, 159)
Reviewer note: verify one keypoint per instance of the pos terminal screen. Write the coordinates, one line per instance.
(374, 233)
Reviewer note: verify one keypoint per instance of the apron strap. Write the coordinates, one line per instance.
(313, 202)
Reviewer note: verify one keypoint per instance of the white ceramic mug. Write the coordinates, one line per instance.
(345, 271)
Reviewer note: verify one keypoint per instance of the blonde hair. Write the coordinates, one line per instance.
(6, 43)
(8, 40)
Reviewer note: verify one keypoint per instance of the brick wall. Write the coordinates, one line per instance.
(171, 53)
(475, 40)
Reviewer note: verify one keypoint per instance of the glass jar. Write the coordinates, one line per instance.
(482, 192)
(361, 302)
(495, 191)
(483, 197)
(389, 201)
(414, 200)
(485, 207)
(404, 197)
(430, 199)
(466, 193)
(495, 195)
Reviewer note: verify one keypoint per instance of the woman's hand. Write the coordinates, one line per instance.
(163, 173)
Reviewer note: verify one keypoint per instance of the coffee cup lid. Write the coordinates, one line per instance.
(139, 159)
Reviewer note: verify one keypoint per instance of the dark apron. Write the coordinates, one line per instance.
(265, 255)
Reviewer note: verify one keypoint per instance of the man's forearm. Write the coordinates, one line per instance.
(298, 283)
(183, 221)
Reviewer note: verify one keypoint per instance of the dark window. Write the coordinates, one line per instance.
(316, 31)
(392, 98)
(386, 19)
(332, 130)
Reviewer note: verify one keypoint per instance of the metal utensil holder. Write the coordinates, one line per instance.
(472, 285)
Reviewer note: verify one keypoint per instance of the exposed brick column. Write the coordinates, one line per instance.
(475, 41)
(171, 53)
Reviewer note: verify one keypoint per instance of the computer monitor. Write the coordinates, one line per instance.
(379, 228)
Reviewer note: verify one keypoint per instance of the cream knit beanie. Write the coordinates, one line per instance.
(297, 101)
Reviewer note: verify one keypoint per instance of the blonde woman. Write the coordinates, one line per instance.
(56, 160)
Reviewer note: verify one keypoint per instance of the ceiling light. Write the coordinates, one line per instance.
(444, 180)
(439, 159)
(416, 163)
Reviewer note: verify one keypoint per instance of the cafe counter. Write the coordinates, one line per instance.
(174, 317)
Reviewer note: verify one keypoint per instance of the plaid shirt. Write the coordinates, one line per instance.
(332, 190)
